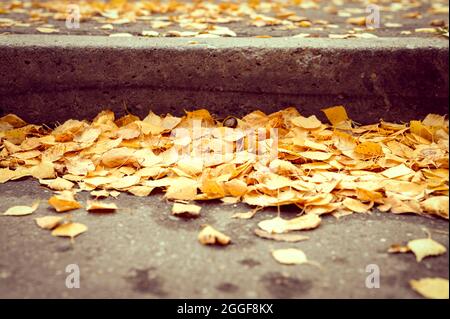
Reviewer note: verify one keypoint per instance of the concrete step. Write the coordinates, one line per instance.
(49, 79)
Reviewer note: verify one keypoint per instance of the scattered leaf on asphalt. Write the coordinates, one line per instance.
(425, 247)
(49, 222)
(188, 210)
(289, 237)
(432, 288)
(69, 229)
(209, 236)
(100, 207)
(64, 202)
(22, 210)
(290, 256)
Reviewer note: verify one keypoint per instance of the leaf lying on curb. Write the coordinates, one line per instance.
(292, 238)
(69, 229)
(209, 236)
(49, 222)
(187, 210)
(22, 210)
(100, 207)
(432, 288)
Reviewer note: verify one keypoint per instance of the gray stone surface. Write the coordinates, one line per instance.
(143, 252)
(48, 79)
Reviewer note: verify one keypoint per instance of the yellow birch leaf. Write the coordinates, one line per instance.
(290, 256)
(336, 114)
(48, 222)
(69, 229)
(432, 288)
(370, 149)
(356, 205)
(437, 205)
(22, 210)
(64, 203)
(425, 247)
(100, 207)
(316, 156)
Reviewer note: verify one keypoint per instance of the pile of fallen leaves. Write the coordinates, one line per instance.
(284, 158)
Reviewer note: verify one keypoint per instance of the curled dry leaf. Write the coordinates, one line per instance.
(291, 238)
(433, 288)
(100, 207)
(64, 202)
(187, 210)
(49, 222)
(396, 248)
(22, 210)
(209, 236)
(69, 229)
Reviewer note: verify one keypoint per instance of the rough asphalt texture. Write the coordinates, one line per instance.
(244, 29)
(141, 251)
(45, 78)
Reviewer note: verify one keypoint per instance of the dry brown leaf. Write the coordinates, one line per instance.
(433, 288)
(209, 236)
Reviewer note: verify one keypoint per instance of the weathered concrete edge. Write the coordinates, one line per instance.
(277, 66)
(391, 78)
(84, 41)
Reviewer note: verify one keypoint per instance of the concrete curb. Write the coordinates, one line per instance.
(45, 79)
